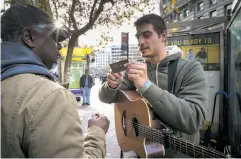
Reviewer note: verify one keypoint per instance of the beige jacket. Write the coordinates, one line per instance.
(39, 119)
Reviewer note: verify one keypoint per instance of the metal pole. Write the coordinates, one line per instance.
(127, 46)
(88, 62)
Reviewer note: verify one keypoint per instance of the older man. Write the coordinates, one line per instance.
(38, 116)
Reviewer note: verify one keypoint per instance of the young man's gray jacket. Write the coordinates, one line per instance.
(184, 110)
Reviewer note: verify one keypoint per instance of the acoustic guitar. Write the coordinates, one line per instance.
(137, 130)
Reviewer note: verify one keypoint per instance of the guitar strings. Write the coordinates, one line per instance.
(191, 154)
(173, 138)
(196, 151)
(175, 141)
(212, 152)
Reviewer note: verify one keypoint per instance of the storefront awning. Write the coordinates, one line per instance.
(78, 53)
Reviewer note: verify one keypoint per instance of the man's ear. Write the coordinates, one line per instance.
(28, 38)
(164, 36)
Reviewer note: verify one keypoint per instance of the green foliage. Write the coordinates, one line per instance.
(77, 14)
(81, 16)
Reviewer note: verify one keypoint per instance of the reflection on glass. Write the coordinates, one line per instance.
(204, 48)
(234, 47)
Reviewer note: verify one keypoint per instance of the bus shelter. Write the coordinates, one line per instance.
(203, 40)
(78, 65)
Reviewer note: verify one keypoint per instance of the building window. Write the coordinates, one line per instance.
(173, 17)
(185, 13)
(200, 6)
(228, 9)
(179, 16)
(213, 14)
(201, 17)
(212, 2)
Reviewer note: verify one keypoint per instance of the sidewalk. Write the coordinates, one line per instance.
(85, 112)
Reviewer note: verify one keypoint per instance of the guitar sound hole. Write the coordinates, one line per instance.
(123, 122)
(135, 125)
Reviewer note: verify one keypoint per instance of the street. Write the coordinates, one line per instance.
(85, 112)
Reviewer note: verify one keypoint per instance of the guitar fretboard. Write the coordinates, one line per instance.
(177, 144)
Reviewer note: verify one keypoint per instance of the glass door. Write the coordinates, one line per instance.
(234, 82)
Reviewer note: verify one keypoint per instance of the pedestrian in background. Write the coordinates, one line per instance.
(86, 83)
(104, 79)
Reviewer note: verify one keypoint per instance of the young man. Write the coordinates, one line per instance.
(185, 107)
(38, 116)
(86, 83)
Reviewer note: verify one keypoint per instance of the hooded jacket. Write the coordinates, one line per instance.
(38, 116)
(184, 109)
(83, 80)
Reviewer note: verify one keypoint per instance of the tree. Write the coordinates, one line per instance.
(43, 4)
(81, 16)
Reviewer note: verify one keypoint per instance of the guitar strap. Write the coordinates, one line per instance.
(172, 68)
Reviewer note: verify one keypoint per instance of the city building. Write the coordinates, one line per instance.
(103, 58)
(117, 54)
(184, 10)
(113, 54)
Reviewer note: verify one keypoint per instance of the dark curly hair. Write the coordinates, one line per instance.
(156, 20)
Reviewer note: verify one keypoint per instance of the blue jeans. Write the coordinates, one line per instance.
(86, 95)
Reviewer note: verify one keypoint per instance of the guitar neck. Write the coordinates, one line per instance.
(191, 149)
(180, 145)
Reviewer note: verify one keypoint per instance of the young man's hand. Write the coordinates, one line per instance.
(114, 79)
(137, 72)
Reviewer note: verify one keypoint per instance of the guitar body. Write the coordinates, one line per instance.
(130, 109)
(137, 130)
